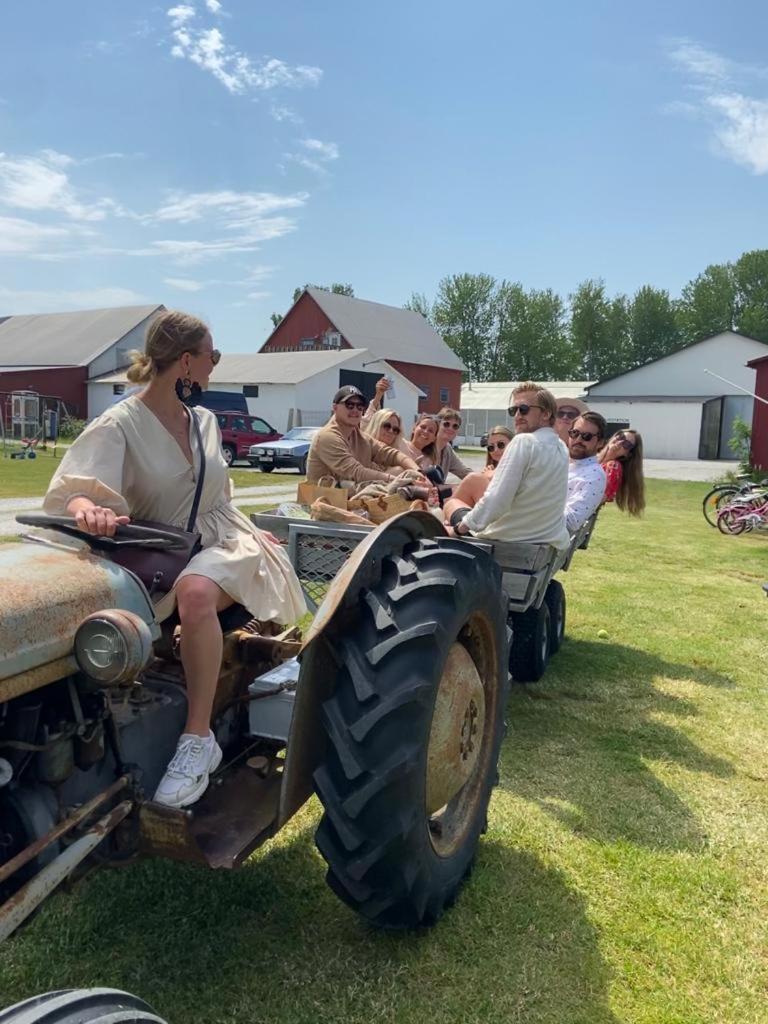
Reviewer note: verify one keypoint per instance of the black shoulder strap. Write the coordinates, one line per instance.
(200, 475)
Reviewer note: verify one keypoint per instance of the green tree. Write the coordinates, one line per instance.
(336, 288)
(465, 313)
(751, 275)
(653, 327)
(708, 303)
(531, 340)
(419, 303)
(591, 330)
(619, 332)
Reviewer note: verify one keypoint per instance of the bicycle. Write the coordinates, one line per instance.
(722, 494)
(747, 513)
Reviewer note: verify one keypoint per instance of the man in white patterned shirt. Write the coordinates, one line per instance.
(586, 477)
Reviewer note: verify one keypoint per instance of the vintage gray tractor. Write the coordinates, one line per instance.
(390, 709)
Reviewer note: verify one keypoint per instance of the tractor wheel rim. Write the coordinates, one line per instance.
(457, 734)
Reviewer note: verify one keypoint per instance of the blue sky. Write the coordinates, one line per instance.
(212, 155)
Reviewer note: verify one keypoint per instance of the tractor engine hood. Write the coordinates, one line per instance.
(46, 590)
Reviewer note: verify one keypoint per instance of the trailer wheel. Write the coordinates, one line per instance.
(81, 1006)
(413, 731)
(555, 599)
(530, 649)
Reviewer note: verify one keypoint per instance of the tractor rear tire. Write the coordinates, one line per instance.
(555, 599)
(530, 649)
(413, 732)
(81, 1006)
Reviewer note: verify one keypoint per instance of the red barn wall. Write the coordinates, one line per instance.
(760, 418)
(64, 382)
(431, 379)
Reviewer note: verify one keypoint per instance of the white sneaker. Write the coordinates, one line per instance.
(186, 778)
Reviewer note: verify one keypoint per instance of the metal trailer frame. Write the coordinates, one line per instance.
(319, 550)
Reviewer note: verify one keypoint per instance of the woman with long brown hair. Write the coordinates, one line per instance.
(622, 460)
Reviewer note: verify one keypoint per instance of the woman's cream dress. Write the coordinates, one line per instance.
(126, 460)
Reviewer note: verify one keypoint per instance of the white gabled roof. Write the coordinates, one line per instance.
(495, 394)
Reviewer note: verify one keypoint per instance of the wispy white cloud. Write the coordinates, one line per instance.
(717, 88)
(207, 47)
(184, 284)
(20, 237)
(237, 209)
(53, 300)
(42, 183)
(314, 154)
(280, 113)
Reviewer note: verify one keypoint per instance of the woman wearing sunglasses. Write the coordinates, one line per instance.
(449, 423)
(473, 487)
(386, 426)
(143, 459)
(622, 460)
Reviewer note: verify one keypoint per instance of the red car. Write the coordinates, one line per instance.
(239, 431)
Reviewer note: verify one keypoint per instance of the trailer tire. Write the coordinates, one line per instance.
(413, 731)
(555, 599)
(530, 648)
(81, 1006)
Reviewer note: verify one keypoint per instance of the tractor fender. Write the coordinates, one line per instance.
(317, 674)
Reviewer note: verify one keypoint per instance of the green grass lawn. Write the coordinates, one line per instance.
(29, 478)
(623, 877)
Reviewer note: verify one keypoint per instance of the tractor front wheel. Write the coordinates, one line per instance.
(413, 731)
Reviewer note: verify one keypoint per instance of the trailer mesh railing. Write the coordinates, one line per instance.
(317, 553)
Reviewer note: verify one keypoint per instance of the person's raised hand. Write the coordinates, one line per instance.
(383, 384)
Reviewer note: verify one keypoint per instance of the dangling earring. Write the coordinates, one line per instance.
(183, 388)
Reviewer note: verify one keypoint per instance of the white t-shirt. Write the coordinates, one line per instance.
(526, 496)
(586, 490)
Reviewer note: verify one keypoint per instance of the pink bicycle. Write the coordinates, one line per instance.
(744, 514)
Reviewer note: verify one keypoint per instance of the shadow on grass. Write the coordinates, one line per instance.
(583, 744)
(270, 943)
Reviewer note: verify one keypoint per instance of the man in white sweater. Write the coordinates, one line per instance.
(525, 499)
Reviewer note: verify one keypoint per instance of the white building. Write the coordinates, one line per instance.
(288, 389)
(484, 405)
(682, 411)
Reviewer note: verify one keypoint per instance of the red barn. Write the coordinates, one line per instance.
(759, 456)
(320, 320)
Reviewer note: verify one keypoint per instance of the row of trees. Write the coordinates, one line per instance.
(503, 331)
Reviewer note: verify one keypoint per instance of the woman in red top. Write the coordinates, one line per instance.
(622, 460)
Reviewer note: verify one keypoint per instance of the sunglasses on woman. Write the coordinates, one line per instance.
(214, 354)
(451, 424)
(391, 427)
(523, 409)
(585, 435)
(622, 442)
(499, 446)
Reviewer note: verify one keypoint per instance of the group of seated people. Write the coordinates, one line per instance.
(540, 483)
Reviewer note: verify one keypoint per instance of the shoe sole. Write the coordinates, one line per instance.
(195, 795)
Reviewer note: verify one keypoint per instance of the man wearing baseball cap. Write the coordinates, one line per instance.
(568, 411)
(340, 450)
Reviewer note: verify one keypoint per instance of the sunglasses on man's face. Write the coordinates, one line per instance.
(350, 404)
(391, 427)
(523, 409)
(451, 425)
(499, 446)
(568, 414)
(585, 435)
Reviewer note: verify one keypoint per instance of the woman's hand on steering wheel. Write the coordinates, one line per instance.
(99, 521)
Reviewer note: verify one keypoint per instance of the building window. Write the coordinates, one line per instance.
(308, 343)
(445, 396)
(251, 390)
(426, 389)
(118, 389)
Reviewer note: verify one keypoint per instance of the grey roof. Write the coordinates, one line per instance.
(66, 339)
(496, 394)
(276, 368)
(387, 331)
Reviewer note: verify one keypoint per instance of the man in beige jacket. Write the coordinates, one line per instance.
(341, 451)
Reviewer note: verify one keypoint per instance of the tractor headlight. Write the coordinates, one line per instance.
(112, 646)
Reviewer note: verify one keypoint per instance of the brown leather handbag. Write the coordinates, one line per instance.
(158, 569)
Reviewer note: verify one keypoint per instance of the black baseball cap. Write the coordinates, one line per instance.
(348, 391)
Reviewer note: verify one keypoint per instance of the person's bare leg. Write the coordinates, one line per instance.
(467, 494)
(199, 599)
